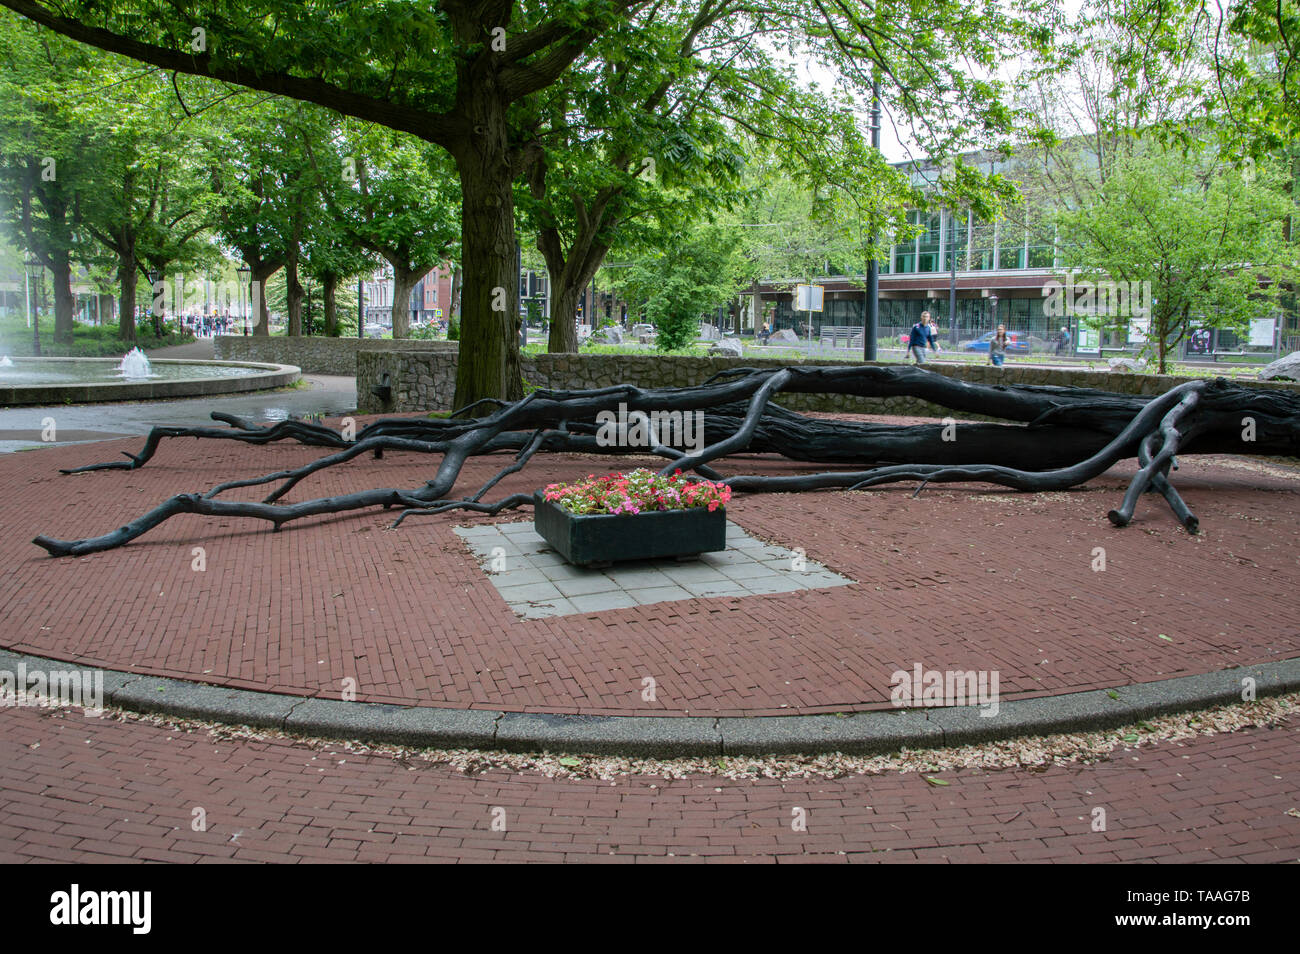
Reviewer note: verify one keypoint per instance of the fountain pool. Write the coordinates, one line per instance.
(131, 378)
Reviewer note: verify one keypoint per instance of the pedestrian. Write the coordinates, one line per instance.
(766, 333)
(1063, 341)
(998, 347)
(922, 334)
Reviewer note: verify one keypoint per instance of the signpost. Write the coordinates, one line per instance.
(809, 298)
(1263, 332)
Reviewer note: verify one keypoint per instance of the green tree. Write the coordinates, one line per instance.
(1190, 236)
(692, 272)
(393, 197)
(470, 91)
(40, 143)
(263, 177)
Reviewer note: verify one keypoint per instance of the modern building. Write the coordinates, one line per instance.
(997, 273)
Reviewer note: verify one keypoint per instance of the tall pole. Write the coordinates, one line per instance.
(27, 293)
(872, 331)
(523, 312)
(38, 298)
(361, 306)
(952, 282)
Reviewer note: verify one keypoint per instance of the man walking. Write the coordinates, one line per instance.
(1063, 341)
(922, 334)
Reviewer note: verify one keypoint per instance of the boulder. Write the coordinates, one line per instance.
(611, 334)
(785, 336)
(1127, 364)
(727, 348)
(710, 332)
(1285, 368)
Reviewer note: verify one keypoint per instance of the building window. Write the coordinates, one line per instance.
(928, 244)
(954, 253)
(983, 236)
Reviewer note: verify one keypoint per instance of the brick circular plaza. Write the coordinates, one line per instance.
(962, 577)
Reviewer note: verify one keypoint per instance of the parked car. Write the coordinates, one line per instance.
(1017, 343)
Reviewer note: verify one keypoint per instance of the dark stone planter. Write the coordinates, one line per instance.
(586, 539)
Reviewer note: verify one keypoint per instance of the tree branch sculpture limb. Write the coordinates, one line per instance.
(1062, 438)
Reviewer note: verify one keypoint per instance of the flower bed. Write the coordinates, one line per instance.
(636, 516)
(636, 492)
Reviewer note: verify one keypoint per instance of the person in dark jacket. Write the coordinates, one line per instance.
(922, 334)
(1063, 341)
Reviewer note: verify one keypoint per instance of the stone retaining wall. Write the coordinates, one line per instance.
(316, 355)
(424, 381)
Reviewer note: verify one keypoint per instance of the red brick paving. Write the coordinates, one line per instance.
(97, 790)
(962, 577)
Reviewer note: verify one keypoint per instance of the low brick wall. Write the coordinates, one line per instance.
(425, 381)
(316, 355)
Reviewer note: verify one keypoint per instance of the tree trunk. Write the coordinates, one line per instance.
(160, 299)
(329, 287)
(489, 334)
(126, 274)
(570, 274)
(64, 301)
(1162, 337)
(293, 294)
(563, 338)
(56, 209)
(259, 276)
(453, 307)
(403, 282)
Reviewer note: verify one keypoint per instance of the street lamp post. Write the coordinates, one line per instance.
(872, 329)
(243, 271)
(27, 292)
(952, 280)
(154, 276)
(993, 306)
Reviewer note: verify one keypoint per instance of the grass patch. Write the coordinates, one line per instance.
(88, 341)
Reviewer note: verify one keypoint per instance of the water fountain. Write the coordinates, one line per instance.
(135, 364)
(131, 378)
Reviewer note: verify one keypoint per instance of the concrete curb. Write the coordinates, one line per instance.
(861, 733)
(265, 377)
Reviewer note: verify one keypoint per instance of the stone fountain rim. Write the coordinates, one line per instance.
(268, 376)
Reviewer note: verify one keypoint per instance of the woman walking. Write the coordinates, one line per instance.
(998, 347)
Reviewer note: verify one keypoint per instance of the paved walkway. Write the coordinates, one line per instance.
(79, 789)
(958, 579)
(200, 349)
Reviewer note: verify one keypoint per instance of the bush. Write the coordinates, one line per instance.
(676, 329)
(453, 330)
(88, 341)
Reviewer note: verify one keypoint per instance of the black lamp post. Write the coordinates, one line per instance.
(36, 270)
(871, 322)
(993, 306)
(243, 271)
(154, 276)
